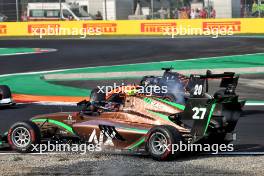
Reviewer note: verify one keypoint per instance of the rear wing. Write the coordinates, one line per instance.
(200, 107)
(228, 78)
(199, 84)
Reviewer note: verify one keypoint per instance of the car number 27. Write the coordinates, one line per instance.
(199, 113)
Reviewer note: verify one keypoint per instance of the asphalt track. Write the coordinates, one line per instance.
(103, 52)
(83, 53)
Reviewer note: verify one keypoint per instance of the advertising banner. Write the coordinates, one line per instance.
(132, 27)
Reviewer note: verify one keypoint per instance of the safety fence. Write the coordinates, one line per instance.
(132, 27)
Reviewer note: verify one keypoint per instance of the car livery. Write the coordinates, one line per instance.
(136, 121)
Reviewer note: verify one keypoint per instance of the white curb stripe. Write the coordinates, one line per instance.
(254, 103)
(72, 76)
(238, 153)
(25, 53)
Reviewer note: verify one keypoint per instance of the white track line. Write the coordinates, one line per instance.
(255, 103)
(45, 103)
(11, 153)
(73, 76)
(63, 153)
(47, 50)
(239, 153)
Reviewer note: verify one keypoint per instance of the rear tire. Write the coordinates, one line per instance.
(5, 92)
(159, 137)
(22, 135)
(96, 95)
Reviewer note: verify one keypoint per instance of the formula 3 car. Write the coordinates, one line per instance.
(141, 122)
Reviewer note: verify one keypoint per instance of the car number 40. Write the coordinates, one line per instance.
(199, 113)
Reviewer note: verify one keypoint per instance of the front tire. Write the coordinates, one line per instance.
(23, 135)
(160, 140)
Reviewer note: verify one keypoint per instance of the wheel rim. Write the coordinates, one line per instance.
(21, 137)
(158, 143)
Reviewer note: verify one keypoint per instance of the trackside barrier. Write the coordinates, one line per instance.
(129, 27)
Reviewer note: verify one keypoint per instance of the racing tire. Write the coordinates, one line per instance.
(96, 95)
(23, 135)
(5, 92)
(160, 135)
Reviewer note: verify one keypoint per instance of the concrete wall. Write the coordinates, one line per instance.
(157, 4)
(124, 8)
(8, 8)
(110, 10)
(95, 5)
(236, 8)
(116, 9)
(223, 8)
(227, 8)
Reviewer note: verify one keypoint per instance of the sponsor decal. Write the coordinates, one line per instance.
(99, 139)
(177, 105)
(70, 120)
(101, 27)
(157, 27)
(3, 29)
(36, 28)
(55, 122)
(222, 25)
(154, 103)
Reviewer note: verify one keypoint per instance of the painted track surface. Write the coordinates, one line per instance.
(84, 53)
